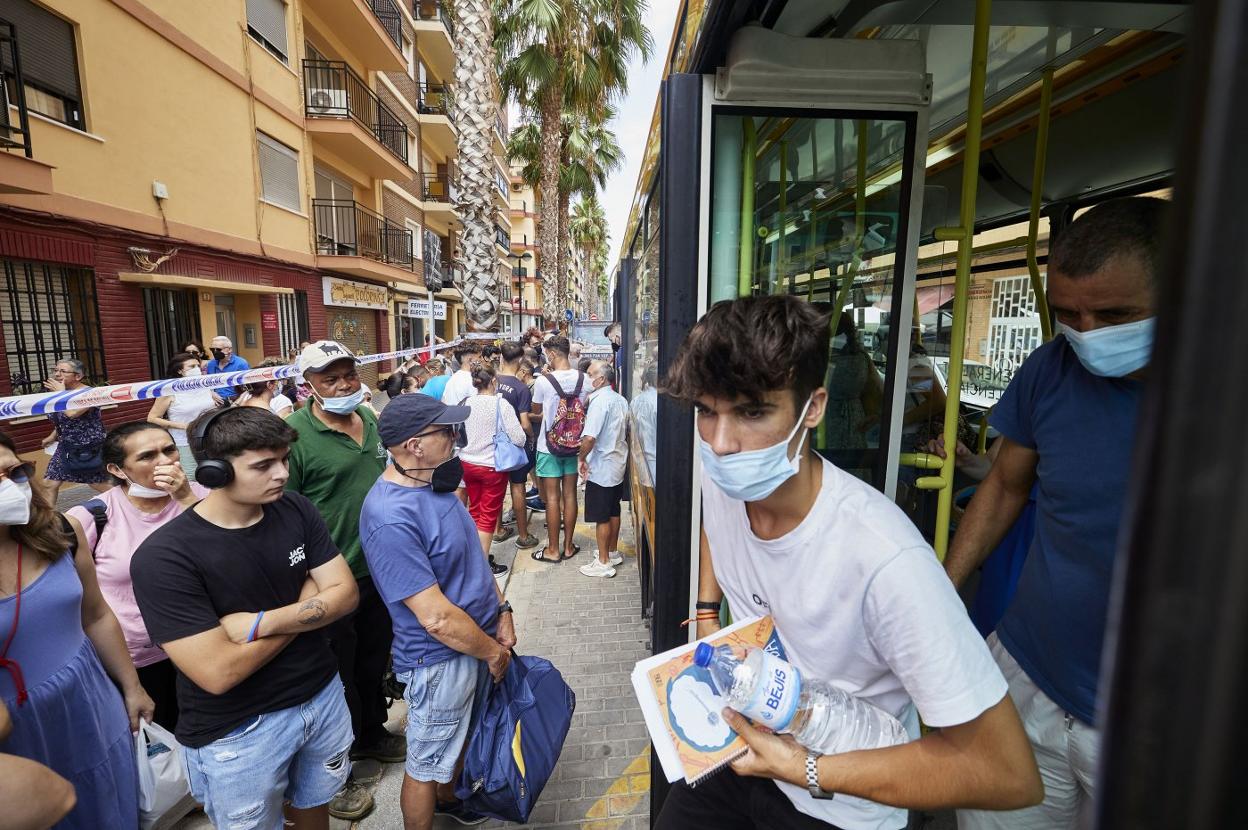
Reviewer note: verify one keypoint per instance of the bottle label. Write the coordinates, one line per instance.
(775, 697)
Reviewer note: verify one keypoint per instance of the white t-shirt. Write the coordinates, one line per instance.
(605, 422)
(458, 388)
(545, 396)
(860, 601)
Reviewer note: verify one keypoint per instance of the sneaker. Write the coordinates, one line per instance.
(615, 558)
(456, 810)
(526, 542)
(509, 516)
(504, 534)
(351, 803)
(530, 493)
(391, 749)
(498, 568)
(535, 503)
(596, 568)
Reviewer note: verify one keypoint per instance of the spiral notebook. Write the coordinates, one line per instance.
(682, 706)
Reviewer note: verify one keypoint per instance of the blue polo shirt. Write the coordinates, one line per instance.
(435, 386)
(414, 539)
(234, 364)
(1083, 429)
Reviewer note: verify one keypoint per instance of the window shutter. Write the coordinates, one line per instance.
(279, 172)
(45, 43)
(268, 17)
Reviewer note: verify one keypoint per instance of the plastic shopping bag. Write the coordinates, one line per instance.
(162, 773)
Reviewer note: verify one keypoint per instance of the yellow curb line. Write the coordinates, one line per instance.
(623, 796)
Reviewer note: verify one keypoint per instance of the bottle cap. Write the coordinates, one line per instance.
(702, 654)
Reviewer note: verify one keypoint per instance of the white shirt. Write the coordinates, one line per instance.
(860, 601)
(645, 409)
(605, 421)
(186, 407)
(458, 388)
(545, 396)
(481, 425)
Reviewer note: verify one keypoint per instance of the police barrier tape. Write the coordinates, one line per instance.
(41, 403)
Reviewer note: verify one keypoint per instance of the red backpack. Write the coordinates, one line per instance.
(564, 436)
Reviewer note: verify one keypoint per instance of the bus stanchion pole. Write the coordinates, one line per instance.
(1037, 197)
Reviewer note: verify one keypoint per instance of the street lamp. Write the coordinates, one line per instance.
(516, 275)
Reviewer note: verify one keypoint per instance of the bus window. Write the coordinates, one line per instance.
(816, 206)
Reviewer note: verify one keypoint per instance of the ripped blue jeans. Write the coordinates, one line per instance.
(297, 755)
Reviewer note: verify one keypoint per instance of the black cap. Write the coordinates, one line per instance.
(406, 415)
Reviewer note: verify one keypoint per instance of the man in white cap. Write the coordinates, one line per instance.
(334, 463)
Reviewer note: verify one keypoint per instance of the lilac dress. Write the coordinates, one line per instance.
(74, 720)
(85, 431)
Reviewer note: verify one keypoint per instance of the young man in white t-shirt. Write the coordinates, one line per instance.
(858, 598)
(557, 473)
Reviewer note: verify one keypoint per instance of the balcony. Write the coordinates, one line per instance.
(433, 113)
(369, 29)
(500, 135)
(435, 35)
(348, 118)
(501, 193)
(439, 192)
(502, 238)
(19, 172)
(352, 239)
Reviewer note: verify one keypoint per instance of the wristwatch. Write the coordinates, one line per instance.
(505, 608)
(812, 778)
(705, 605)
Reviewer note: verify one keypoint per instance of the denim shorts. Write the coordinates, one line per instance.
(439, 712)
(299, 754)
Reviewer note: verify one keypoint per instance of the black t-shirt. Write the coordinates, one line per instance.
(519, 396)
(190, 573)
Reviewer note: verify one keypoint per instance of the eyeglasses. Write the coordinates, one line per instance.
(453, 429)
(19, 473)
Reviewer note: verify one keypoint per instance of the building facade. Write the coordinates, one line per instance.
(525, 267)
(279, 174)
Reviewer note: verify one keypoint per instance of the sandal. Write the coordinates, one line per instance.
(539, 555)
(575, 550)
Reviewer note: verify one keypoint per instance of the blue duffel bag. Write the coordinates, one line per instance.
(517, 736)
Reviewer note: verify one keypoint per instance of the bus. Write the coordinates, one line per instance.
(824, 148)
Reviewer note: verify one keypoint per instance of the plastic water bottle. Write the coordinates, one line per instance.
(773, 693)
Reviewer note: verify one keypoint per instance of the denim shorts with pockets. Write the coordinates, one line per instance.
(439, 712)
(299, 755)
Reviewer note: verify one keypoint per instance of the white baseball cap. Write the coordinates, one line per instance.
(318, 355)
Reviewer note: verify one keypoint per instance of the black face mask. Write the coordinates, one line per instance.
(446, 476)
(218, 354)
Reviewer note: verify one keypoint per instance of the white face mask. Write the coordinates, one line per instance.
(138, 491)
(14, 502)
(753, 475)
(192, 372)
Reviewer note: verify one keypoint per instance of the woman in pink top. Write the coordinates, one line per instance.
(150, 491)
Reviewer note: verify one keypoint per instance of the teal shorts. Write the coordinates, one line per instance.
(555, 466)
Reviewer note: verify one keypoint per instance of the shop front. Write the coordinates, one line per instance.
(352, 310)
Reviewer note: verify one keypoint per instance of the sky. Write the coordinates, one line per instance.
(632, 123)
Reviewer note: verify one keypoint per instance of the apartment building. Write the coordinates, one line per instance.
(525, 273)
(282, 173)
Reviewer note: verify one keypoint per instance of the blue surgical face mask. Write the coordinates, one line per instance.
(1113, 351)
(344, 405)
(753, 475)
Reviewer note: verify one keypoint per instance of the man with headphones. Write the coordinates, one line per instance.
(337, 459)
(237, 590)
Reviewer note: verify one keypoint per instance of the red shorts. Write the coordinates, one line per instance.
(486, 488)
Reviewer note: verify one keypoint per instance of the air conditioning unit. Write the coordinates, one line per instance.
(516, 188)
(328, 101)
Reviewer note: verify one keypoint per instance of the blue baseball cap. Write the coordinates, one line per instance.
(407, 415)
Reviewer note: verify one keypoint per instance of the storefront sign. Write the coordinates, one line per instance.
(355, 294)
(420, 308)
(268, 320)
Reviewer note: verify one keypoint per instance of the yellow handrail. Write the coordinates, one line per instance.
(1037, 196)
(964, 235)
(745, 264)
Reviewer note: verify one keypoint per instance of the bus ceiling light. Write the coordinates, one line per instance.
(817, 70)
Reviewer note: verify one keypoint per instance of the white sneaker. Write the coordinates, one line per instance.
(615, 558)
(596, 568)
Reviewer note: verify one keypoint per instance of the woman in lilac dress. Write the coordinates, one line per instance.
(59, 646)
(77, 429)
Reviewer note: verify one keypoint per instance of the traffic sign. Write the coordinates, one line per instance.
(567, 315)
(593, 316)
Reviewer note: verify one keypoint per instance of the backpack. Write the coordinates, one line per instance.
(564, 436)
(99, 511)
(518, 733)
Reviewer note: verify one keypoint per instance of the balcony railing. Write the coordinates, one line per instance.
(12, 136)
(439, 187)
(501, 126)
(435, 99)
(333, 90)
(390, 18)
(501, 183)
(502, 238)
(433, 10)
(346, 228)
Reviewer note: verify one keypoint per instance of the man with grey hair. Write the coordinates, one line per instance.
(603, 458)
(1070, 410)
(224, 360)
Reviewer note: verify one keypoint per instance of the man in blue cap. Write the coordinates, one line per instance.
(451, 624)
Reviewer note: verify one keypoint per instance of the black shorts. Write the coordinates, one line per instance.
(521, 475)
(727, 801)
(602, 504)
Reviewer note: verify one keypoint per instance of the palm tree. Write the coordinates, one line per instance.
(559, 56)
(587, 227)
(475, 109)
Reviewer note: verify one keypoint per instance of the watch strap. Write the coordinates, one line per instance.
(704, 605)
(505, 608)
(812, 777)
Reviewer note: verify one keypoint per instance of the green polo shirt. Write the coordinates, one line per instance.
(336, 474)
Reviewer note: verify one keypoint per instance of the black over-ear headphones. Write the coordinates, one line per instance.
(213, 473)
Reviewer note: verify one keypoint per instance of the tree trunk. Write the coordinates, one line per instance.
(549, 220)
(475, 110)
(565, 299)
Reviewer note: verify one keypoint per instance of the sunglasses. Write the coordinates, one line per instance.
(19, 473)
(461, 437)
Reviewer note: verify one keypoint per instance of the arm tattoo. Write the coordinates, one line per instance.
(311, 612)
